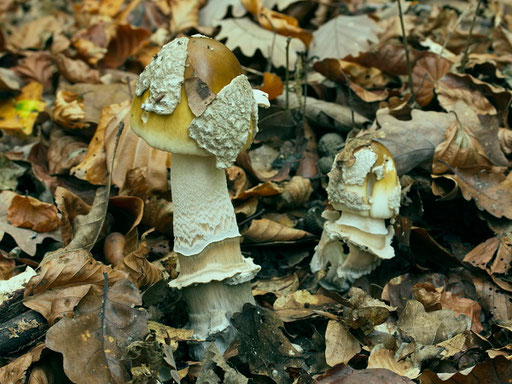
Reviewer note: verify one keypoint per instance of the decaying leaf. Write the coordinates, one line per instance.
(263, 345)
(70, 206)
(20, 113)
(15, 372)
(425, 75)
(28, 212)
(213, 363)
(279, 286)
(64, 152)
(68, 110)
(103, 326)
(264, 230)
(10, 172)
(300, 305)
(272, 85)
(343, 374)
(126, 42)
(339, 37)
(76, 71)
(185, 15)
(26, 239)
(249, 37)
(340, 344)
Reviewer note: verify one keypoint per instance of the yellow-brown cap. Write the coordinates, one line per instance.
(177, 87)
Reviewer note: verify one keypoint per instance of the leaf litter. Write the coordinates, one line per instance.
(76, 190)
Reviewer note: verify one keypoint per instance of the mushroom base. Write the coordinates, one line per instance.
(211, 307)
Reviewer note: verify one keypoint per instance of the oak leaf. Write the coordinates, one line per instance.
(93, 342)
(250, 37)
(343, 36)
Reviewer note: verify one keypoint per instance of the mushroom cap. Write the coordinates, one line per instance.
(181, 83)
(368, 185)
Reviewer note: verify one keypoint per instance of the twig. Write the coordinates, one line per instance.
(287, 71)
(406, 46)
(466, 48)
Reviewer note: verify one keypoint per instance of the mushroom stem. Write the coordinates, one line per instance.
(214, 275)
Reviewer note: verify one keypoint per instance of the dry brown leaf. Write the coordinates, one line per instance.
(213, 12)
(91, 43)
(19, 114)
(184, 15)
(64, 152)
(76, 71)
(343, 374)
(413, 142)
(247, 207)
(125, 43)
(343, 36)
(250, 37)
(96, 97)
(490, 371)
(237, 181)
(436, 298)
(425, 75)
(296, 192)
(429, 328)
(505, 138)
(483, 98)
(6, 267)
(300, 305)
(384, 358)
(33, 35)
(158, 213)
(9, 80)
(104, 324)
(15, 372)
(279, 286)
(140, 271)
(28, 212)
(272, 85)
(277, 22)
(340, 344)
(70, 206)
(68, 110)
(493, 300)
(489, 188)
(461, 149)
(38, 66)
(264, 230)
(26, 239)
(267, 188)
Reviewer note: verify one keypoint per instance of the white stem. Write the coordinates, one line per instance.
(203, 213)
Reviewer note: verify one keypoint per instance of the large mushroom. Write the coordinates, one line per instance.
(194, 101)
(364, 191)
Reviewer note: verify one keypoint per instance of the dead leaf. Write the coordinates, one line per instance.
(64, 152)
(185, 15)
(215, 369)
(300, 305)
(212, 13)
(436, 298)
(277, 22)
(91, 43)
(26, 239)
(68, 110)
(340, 344)
(10, 172)
(385, 359)
(461, 149)
(264, 230)
(34, 33)
(20, 114)
(15, 372)
(272, 85)
(263, 345)
(28, 212)
(425, 75)
(413, 142)
(38, 67)
(6, 267)
(267, 188)
(343, 374)
(491, 371)
(249, 37)
(489, 188)
(102, 342)
(139, 270)
(340, 37)
(9, 80)
(429, 328)
(493, 300)
(70, 206)
(125, 43)
(76, 71)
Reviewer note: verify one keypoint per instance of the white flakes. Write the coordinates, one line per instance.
(224, 127)
(164, 77)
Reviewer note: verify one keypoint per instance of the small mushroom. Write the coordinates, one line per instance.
(194, 101)
(364, 190)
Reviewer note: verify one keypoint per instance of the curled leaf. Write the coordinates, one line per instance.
(264, 230)
(28, 212)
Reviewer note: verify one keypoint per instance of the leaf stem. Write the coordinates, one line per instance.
(464, 60)
(406, 47)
